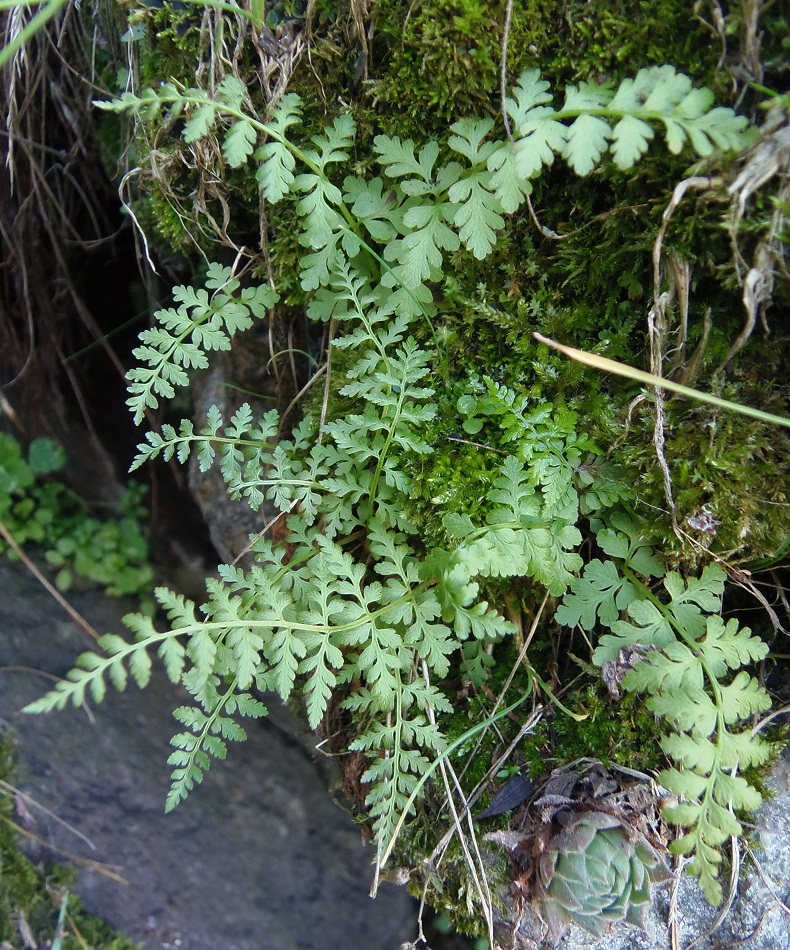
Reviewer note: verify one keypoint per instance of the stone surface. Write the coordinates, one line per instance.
(231, 523)
(259, 857)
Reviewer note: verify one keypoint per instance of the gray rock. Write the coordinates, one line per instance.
(231, 522)
(259, 856)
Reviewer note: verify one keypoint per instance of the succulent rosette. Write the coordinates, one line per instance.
(594, 870)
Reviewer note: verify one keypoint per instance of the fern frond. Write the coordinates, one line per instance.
(478, 217)
(380, 212)
(687, 651)
(604, 121)
(400, 161)
(275, 172)
(397, 761)
(209, 731)
(182, 336)
(419, 254)
(315, 617)
(600, 594)
(92, 668)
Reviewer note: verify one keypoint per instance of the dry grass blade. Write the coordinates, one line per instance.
(52, 199)
(26, 802)
(82, 862)
(630, 372)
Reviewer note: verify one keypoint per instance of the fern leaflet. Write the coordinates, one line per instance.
(686, 655)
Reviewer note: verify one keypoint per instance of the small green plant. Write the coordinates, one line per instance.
(585, 844)
(36, 508)
(594, 872)
(358, 608)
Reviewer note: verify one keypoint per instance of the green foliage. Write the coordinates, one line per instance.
(443, 57)
(360, 609)
(430, 208)
(183, 336)
(545, 438)
(38, 509)
(17, 473)
(604, 119)
(676, 648)
(751, 519)
(613, 732)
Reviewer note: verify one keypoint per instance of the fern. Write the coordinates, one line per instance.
(599, 116)
(358, 608)
(430, 208)
(182, 336)
(320, 619)
(208, 733)
(687, 655)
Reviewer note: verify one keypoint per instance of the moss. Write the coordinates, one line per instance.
(623, 733)
(440, 61)
(168, 40)
(733, 468)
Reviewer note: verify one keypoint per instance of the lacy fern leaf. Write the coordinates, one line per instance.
(276, 161)
(602, 120)
(686, 654)
(182, 336)
(93, 667)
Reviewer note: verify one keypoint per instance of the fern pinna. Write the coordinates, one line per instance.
(358, 603)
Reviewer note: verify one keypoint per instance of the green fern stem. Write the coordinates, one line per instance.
(387, 820)
(463, 739)
(443, 366)
(374, 483)
(681, 633)
(351, 224)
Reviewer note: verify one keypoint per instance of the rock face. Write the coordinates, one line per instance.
(259, 856)
(231, 523)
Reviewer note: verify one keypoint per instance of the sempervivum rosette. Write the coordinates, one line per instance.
(587, 847)
(595, 870)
